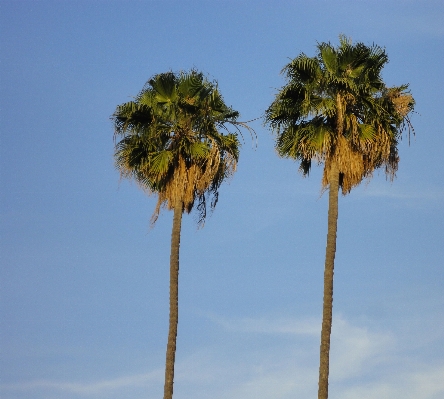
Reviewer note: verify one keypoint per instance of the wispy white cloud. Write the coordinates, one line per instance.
(366, 362)
(425, 383)
(266, 325)
(416, 197)
(356, 349)
(431, 194)
(288, 382)
(85, 389)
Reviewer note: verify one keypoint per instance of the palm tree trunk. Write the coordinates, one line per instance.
(327, 312)
(174, 301)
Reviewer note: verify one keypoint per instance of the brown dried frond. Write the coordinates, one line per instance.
(211, 167)
(358, 159)
(230, 165)
(402, 104)
(401, 101)
(377, 152)
(349, 162)
(189, 182)
(352, 126)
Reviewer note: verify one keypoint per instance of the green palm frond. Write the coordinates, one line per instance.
(366, 132)
(329, 58)
(132, 116)
(159, 164)
(165, 88)
(190, 84)
(302, 69)
(198, 150)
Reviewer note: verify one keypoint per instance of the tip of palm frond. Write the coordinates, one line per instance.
(250, 130)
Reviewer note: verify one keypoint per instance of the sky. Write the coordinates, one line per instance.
(84, 279)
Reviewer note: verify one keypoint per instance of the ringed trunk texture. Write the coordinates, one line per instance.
(174, 301)
(327, 312)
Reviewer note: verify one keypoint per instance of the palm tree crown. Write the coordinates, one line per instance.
(336, 108)
(171, 142)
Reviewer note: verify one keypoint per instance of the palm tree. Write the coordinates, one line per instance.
(335, 109)
(174, 142)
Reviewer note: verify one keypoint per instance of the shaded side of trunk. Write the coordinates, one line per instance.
(327, 312)
(174, 301)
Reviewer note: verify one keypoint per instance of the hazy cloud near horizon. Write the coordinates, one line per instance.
(365, 363)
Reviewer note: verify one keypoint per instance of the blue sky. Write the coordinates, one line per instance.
(84, 280)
